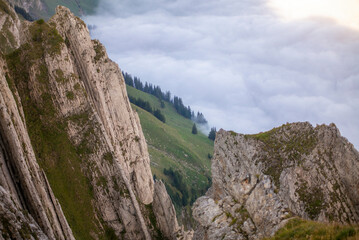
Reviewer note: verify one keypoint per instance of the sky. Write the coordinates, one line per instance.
(247, 65)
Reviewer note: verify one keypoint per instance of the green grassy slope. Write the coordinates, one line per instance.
(172, 144)
(301, 230)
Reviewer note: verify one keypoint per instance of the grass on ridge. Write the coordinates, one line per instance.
(300, 229)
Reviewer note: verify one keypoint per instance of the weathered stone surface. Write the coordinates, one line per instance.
(259, 181)
(10, 29)
(118, 131)
(166, 215)
(88, 93)
(21, 176)
(14, 222)
(164, 211)
(107, 94)
(84, 90)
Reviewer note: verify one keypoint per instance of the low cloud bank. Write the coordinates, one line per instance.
(237, 62)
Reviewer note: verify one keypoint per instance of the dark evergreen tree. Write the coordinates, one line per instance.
(158, 114)
(150, 89)
(162, 104)
(194, 129)
(212, 134)
(128, 78)
(141, 103)
(175, 103)
(200, 119)
(167, 96)
(138, 84)
(146, 88)
(178, 183)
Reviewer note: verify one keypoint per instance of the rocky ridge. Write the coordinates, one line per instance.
(65, 110)
(260, 181)
(38, 9)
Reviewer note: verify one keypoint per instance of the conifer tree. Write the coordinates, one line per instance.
(194, 129)
(212, 134)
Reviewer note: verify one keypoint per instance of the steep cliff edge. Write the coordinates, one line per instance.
(260, 181)
(70, 140)
(28, 207)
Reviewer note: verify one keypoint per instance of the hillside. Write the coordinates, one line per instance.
(172, 145)
(46, 8)
(300, 229)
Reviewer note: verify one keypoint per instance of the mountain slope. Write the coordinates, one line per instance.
(46, 8)
(262, 180)
(172, 145)
(73, 157)
(300, 229)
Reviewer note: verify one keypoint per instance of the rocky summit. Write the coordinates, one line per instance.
(261, 181)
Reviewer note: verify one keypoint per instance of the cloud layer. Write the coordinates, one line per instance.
(237, 62)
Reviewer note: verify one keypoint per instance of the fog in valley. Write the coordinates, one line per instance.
(248, 65)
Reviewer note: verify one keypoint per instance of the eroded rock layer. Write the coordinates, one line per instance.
(261, 180)
(74, 161)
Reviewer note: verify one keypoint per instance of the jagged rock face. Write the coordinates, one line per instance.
(107, 94)
(165, 214)
(27, 202)
(9, 28)
(259, 181)
(71, 114)
(15, 224)
(165, 211)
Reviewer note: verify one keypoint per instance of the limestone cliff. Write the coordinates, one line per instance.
(70, 140)
(166, 215)
(28, 207)
(260, 181)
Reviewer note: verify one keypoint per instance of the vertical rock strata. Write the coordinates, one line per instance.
(27, 204)
(262, 180)
(64, 109)
(165, 214)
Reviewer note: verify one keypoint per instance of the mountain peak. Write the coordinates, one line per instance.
(261, 180)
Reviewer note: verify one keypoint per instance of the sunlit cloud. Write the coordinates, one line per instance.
(345, 12)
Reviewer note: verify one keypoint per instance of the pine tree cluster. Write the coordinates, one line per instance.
(164, 96)
(147, 106)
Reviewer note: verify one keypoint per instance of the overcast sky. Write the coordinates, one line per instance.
(240, 62)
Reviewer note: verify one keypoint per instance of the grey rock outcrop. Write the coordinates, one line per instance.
(165, 211)
(64, 106)
(23, 185)
(166, 215)
(262, 180)
(10, 27)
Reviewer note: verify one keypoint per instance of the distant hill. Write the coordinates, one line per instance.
(46, 8)
(173, 146)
